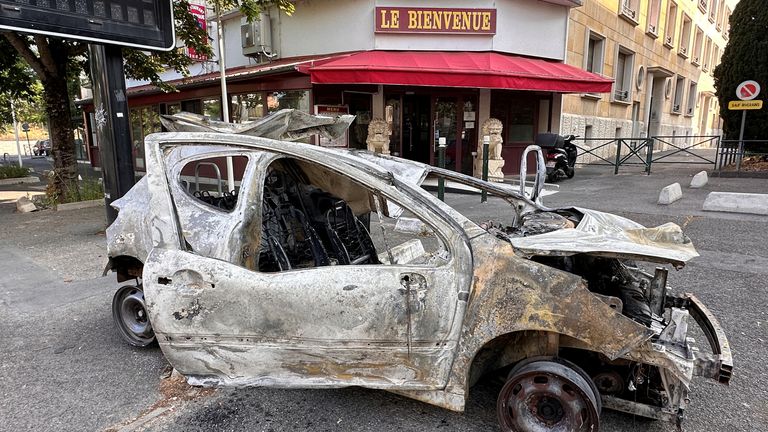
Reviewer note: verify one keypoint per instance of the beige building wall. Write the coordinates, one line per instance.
(667, 86)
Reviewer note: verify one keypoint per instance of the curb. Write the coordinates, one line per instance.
(732, 202)
(19, 180)
(80, 205)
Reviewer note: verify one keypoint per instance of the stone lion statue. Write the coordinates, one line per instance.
(378, 136)
(493, 128)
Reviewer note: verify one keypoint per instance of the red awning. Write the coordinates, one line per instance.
(455, 69)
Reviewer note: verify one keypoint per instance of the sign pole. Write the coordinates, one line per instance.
(111, 123)
(224, 101)
(16, 132)
(741, 141)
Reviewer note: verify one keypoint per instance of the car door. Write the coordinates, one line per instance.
(375, 325)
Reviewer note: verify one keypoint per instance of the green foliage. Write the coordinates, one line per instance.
(13, 171)
(744, 58)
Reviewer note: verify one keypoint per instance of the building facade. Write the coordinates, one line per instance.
(433, 69)
(661, 55)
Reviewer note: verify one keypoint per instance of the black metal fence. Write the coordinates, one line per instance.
(617, 152)
(733, 152)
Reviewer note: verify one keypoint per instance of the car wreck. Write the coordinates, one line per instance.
(330, 268)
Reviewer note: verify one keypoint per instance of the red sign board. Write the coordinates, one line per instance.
(199, 13)
(435, 20)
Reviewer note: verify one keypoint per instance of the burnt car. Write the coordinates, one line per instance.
(330, 268)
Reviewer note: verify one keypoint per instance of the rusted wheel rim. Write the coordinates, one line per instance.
(548, 396)
(130, 315)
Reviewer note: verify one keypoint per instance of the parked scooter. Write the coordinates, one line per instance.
(559, 154)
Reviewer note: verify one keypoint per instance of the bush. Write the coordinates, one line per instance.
(87, 189)
(13, 171)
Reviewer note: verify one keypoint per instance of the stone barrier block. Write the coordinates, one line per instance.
(699, 180)
(733, 202)
(670, 194)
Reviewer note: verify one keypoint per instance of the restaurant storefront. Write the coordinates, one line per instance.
(434, 71)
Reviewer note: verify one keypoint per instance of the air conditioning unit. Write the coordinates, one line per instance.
(621, 95)
(256, 38)
(676, 108)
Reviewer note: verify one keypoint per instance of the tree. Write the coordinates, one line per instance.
(57, 62)
(19, 85)
(745, 58)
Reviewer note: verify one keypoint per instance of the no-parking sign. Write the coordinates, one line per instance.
(748, 90)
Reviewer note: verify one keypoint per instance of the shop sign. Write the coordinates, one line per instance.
(198, 11)
(435, 20)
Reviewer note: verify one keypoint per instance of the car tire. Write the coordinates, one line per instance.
(129, 313)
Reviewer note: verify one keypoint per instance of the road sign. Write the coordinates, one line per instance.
(745, 105)
(748, 90)
(25, 127)
(134, 23)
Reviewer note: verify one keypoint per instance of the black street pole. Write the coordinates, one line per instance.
(111, 122)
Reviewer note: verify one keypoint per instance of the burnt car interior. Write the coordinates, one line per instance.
(203, 180)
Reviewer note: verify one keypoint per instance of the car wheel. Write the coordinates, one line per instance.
(548, 396)
(130, 315)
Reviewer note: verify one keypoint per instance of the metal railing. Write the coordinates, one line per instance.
(732, 152)
(617, 152)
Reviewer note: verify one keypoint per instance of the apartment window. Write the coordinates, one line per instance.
(671, 24)
(703, 5)
(697, 44)
(654, 8)
(677, 102)
(595, 53)
(715, 56)
(691, 99)
(713, 10)
(719, 19)
(727, 23)
(706, 55)
(628, 9)
(622, 87)
(685, 36)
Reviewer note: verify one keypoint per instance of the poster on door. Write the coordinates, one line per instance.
(333, 111)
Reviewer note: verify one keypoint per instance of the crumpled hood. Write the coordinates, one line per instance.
(610, 235)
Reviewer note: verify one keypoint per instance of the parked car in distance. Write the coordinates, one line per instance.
(42, 148)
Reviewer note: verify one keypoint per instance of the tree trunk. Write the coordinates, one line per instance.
(62, 139)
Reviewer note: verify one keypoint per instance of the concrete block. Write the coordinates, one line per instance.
(737, 203)
(80, 205)
(19, 180)
(670, 194)
(25, 205)
(699, 180)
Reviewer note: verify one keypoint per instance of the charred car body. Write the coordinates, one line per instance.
(332, 268)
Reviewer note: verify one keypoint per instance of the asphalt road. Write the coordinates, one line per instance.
(63, 366)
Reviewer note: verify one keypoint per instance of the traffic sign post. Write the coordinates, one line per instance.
(747, 91)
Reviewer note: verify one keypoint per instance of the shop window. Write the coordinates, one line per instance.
(622, 86)
(628, 10)
(697, 45)
(671, 24)
(296, 99)
(171, 109)
(360, 106)
(654, 9)
(144, 121)
(247, 107)
(679, 91)
(706, 55)
(685, 37)
(212, 108)
(691, 99)
(595, 53)
(192, 106)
